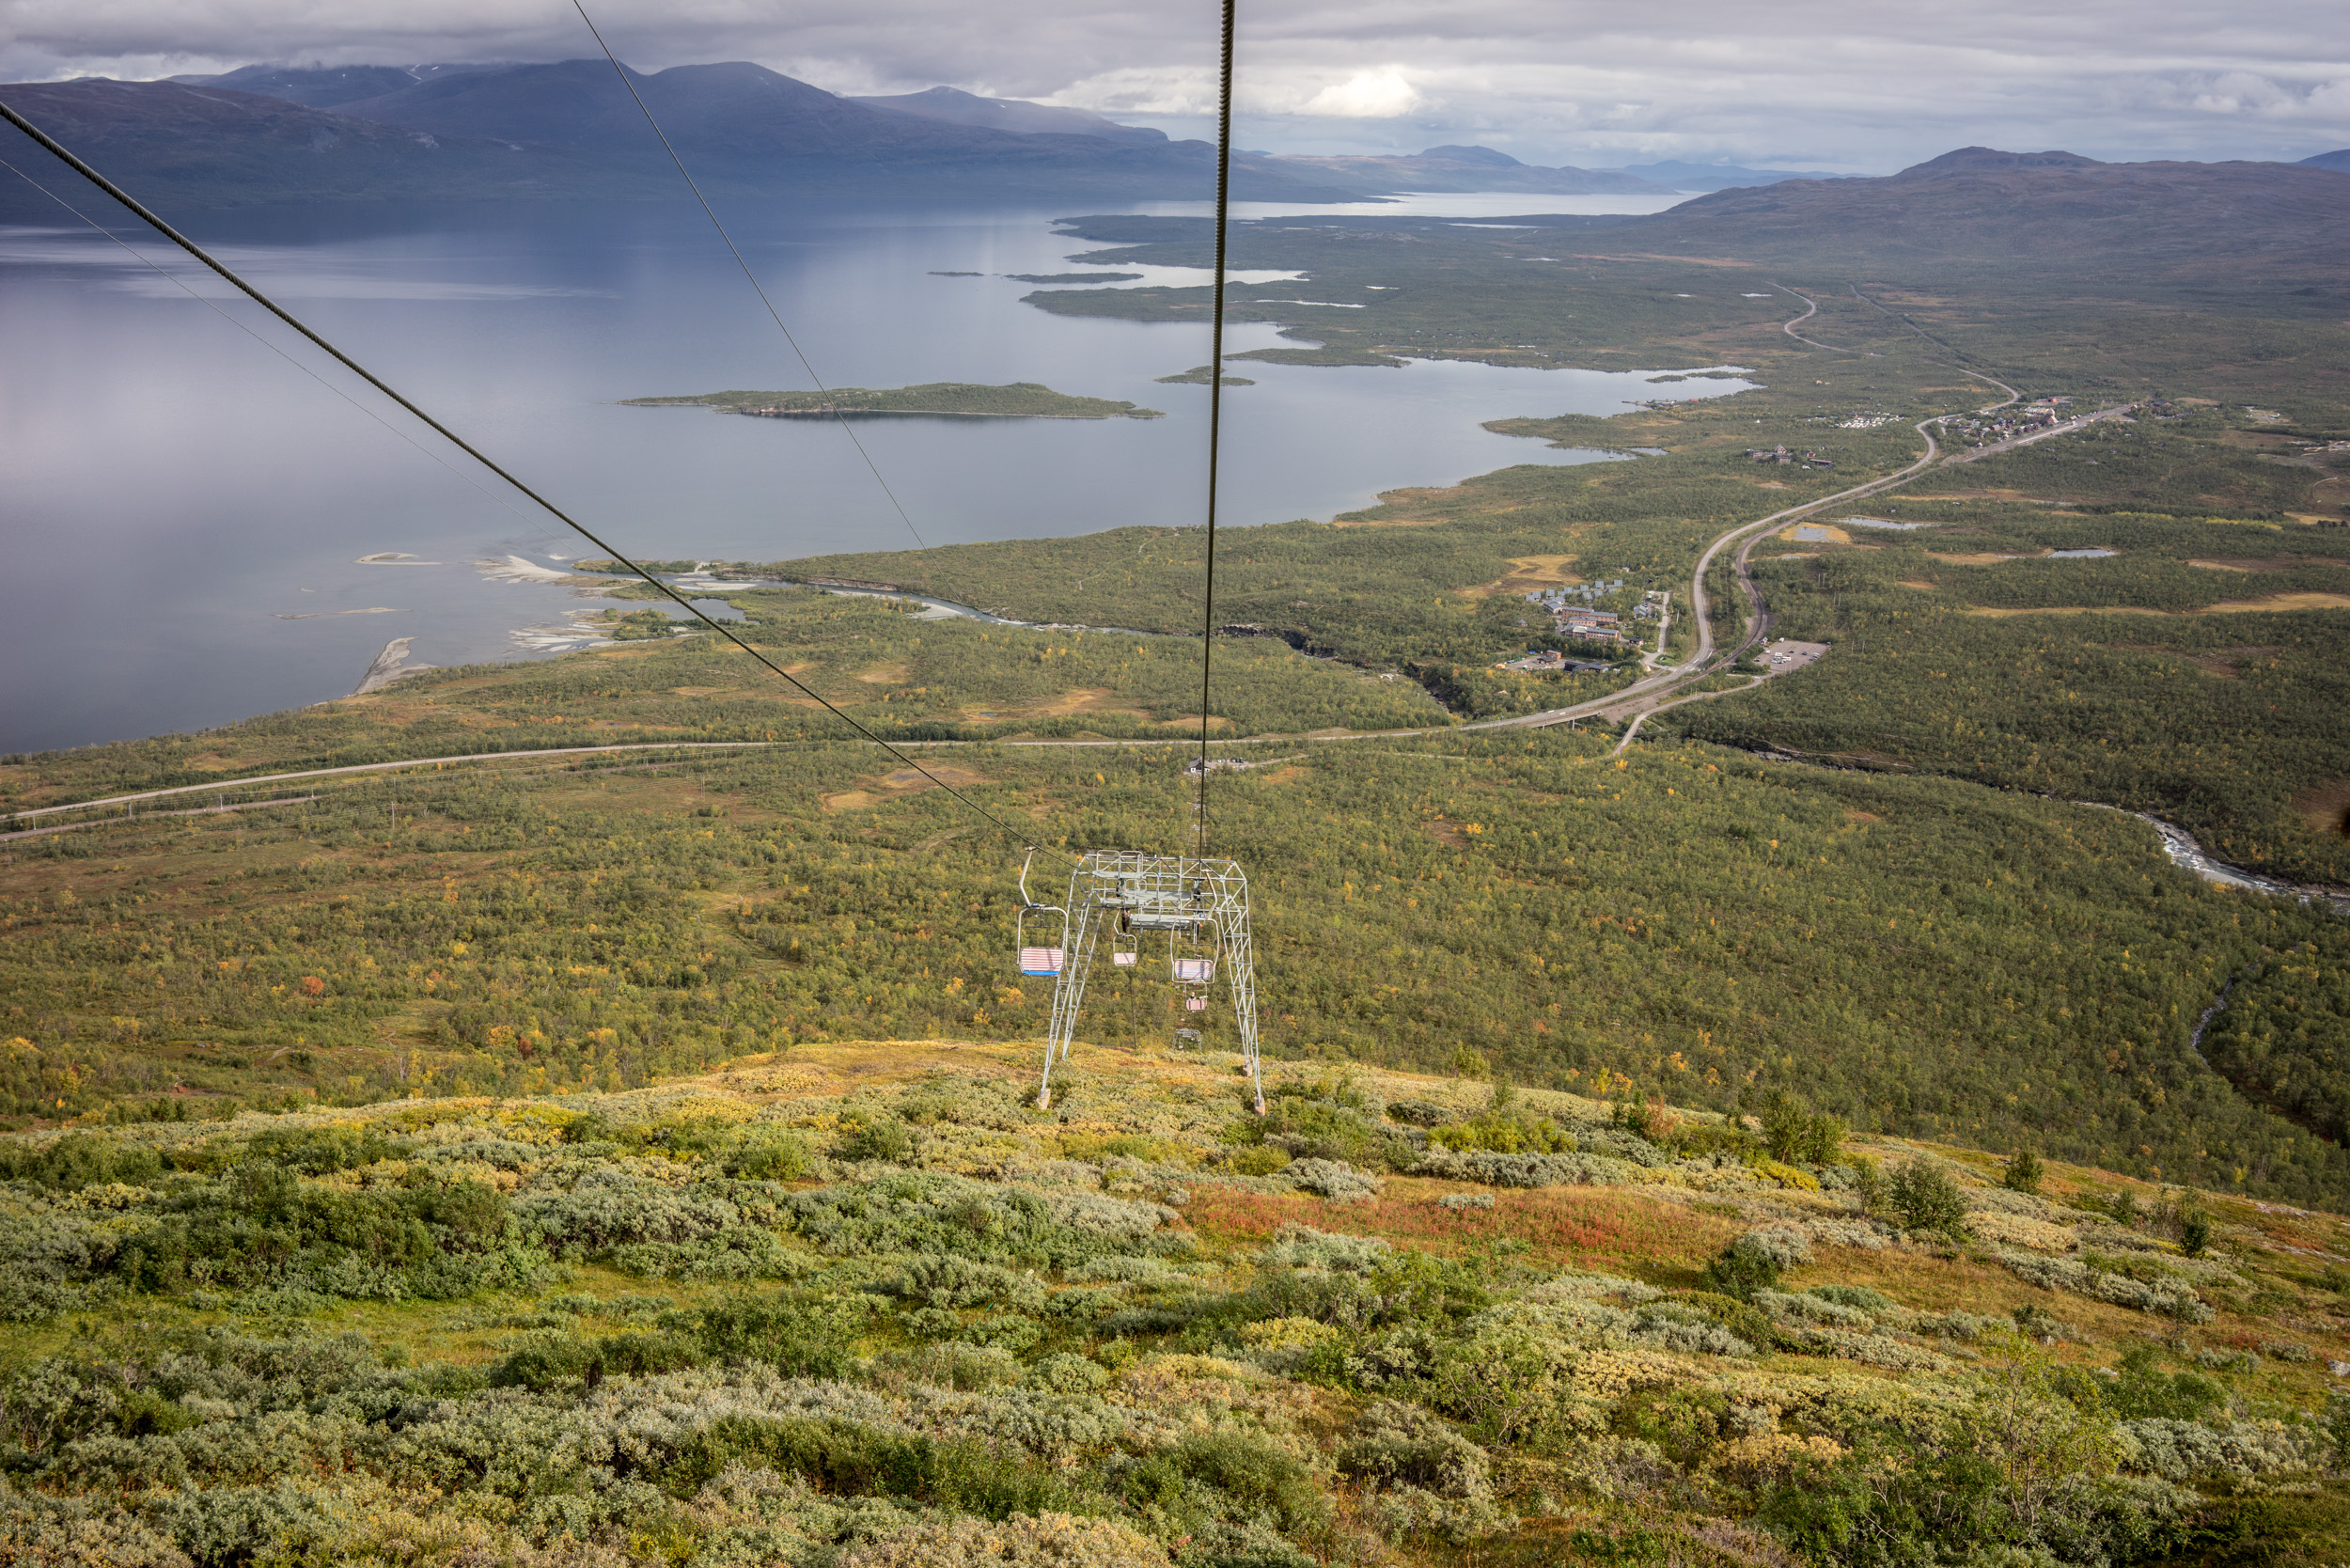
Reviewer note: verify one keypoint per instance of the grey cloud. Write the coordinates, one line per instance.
(1822, 83)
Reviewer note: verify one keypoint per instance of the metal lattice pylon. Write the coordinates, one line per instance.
(1203, 901)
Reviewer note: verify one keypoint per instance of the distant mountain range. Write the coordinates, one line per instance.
(178, 147)
(572, 130)
(317, 87)
(1011, 114)
(1469, 168)
(2206, 229)
(1713, 176)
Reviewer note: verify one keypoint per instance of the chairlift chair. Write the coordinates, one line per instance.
(1125, 943)
(1194, 972)
(1045, 961)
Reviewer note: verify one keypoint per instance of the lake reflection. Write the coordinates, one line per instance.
(186, 509)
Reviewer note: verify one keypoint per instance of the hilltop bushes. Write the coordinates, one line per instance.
(1030, 1369)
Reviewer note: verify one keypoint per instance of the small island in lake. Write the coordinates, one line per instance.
(1199, 375)
(1022, 399)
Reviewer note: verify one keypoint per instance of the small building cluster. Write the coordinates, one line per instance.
(1548, 662)
(1556, 599)
(1572, 612)
(1781, 455)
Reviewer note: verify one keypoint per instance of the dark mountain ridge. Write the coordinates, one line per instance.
(732, 112)
(2039, 212)
(573, 129)
(744, 122)
(175, 146)
(327, 87)
(1015, 115)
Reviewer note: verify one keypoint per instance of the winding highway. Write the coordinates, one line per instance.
(1811, 308)
(1636, 701)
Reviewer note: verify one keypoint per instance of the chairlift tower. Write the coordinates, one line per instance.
(1202, 906)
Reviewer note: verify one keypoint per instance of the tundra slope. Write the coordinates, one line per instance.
(859, 1306)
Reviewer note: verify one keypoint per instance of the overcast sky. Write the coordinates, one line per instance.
(1811, 83)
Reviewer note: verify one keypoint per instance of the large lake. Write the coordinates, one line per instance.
(186, 510)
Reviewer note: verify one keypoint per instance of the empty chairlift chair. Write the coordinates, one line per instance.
(1039, 960)
(1194, 970)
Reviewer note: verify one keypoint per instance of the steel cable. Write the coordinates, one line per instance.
(1216, 403)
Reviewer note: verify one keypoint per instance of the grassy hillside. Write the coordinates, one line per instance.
(1923, 956)
(859, 1305)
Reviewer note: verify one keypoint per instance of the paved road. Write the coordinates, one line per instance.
(1644, 697)
(194, 811)
(1637, 702)
(129, 801)
(1811, 308)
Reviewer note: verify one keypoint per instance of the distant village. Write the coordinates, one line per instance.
(1989, 426)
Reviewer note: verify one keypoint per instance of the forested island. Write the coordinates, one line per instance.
(1022, 399)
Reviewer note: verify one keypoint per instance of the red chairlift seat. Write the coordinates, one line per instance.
(1043, 961)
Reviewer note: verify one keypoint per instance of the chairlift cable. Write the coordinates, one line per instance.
(1215, 405)
(775, 315)
(70, 160)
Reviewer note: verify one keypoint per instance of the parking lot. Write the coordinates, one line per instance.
(1779, 658)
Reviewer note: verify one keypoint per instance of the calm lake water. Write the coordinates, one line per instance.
(186, 510)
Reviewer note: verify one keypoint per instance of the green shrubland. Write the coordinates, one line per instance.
(989, 1348)
(1911, 955)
